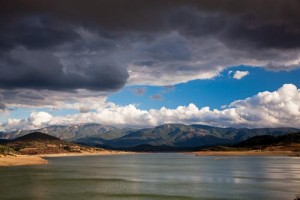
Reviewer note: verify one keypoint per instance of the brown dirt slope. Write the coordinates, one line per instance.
(40, 143)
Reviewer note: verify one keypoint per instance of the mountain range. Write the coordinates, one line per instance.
(72, 132)
(176, 136)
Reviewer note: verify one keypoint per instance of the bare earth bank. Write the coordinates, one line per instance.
(17, 160)
(21, 160)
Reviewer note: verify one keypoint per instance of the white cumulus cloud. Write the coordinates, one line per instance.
(38, 119)
(280, 108)
(240, 74)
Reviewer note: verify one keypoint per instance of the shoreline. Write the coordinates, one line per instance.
(100, 153)
(39, 159)
(246, 153)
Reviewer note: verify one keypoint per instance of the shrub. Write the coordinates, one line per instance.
(4, 150)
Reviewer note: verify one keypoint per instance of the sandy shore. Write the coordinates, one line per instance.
(21, 160)
(246, 153)
(99, 153)
(39, 159)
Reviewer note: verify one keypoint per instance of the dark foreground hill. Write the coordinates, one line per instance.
(36, 136)
(289, 142)
(263, 143)
(40, 143)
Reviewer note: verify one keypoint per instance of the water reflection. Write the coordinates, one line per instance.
(154, 176)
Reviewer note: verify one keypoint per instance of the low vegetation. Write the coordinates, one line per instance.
(40, 143)
(4, 150)
(289, 142)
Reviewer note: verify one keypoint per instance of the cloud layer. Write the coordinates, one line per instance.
(97, 46)
(66, 54)
(280, 108)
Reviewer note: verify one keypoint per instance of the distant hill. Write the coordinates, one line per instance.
(176, 135)
(2, 141)
(8, 135)
(182, 137)
(284, 142)
(173, 136)
(73, 132)
(40, 143)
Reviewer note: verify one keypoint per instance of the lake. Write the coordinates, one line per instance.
(154, 177)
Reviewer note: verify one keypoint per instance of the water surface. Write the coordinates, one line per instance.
(154, 177)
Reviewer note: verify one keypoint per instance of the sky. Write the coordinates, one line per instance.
(133, 63)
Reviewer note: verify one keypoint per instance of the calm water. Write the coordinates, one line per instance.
(154, 176)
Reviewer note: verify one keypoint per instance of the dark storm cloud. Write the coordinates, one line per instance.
(42, 70)
(35, 32)
(33, 44)
(266, 23)
(273, 35)
(30, 41)
(2, 105)
(167, 48)
(273, 23)
(79, 44)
